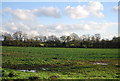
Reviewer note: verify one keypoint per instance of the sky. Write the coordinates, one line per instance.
(61, 18)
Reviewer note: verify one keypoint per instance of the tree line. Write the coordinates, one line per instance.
(73, 40)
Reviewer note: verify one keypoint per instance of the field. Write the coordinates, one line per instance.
(59, 63)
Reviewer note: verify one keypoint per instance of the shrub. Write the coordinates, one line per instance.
(33, 77)
(11, 74)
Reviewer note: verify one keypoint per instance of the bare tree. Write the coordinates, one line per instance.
(63, 38)
(74, 36)
(97, 37)
(6, 36)
(52, 38)
(18, 35)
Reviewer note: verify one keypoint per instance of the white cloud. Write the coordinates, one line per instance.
(47, 11)
(93, 8)
(33, 29)
(116, 8)
(23, 14)
(59, 27)
(76, 12)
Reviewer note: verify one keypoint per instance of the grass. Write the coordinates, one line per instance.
(60, 63)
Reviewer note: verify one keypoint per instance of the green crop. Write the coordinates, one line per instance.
(60, 63)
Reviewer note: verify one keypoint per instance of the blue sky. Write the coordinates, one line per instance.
(109, 13)
(78, 17)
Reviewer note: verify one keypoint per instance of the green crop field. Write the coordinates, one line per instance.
(59, 63)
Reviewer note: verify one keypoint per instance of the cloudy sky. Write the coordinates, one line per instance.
(61, 18)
